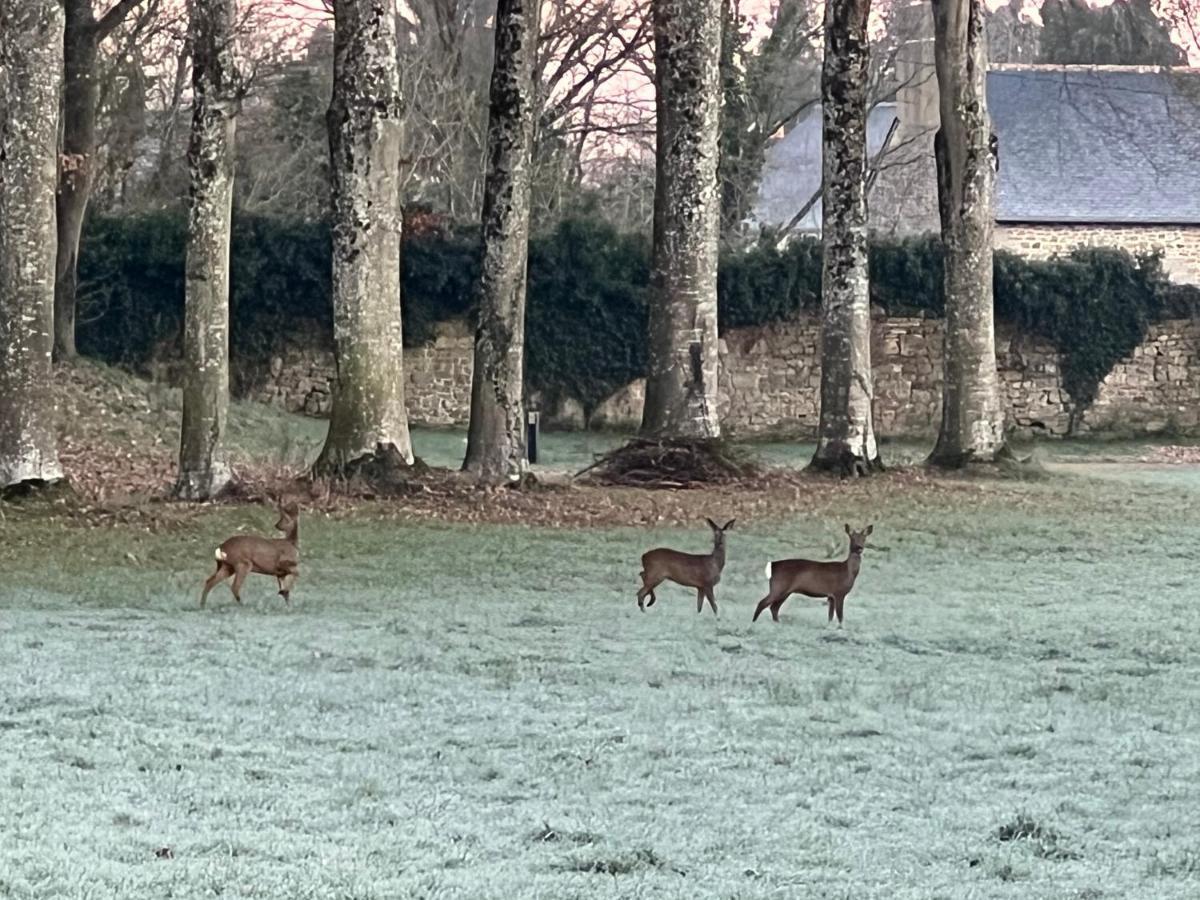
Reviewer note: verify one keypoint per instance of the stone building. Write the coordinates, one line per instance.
(1089, 156)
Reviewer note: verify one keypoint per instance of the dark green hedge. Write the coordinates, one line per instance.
(586, 315)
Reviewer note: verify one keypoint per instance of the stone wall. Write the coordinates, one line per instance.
(437, 379)
(1180, 245)
(771, 379)
(770, 382)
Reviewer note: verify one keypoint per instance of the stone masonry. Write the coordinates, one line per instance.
(770, 381)
(1180, 244)
(438, 379)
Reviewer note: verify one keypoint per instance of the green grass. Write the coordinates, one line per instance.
(482, 712)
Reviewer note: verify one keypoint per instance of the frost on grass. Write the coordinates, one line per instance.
(396, 725)
(1045, 842)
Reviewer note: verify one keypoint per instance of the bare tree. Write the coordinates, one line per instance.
(31, 75)
(846, 441)
(369, 414)
(965, 148)
(681, 384)
(83, 35)
(203, 468)
(496, 438)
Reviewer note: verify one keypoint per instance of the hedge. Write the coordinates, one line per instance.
(587, 301)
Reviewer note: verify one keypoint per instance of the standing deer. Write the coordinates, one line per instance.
(831, 580)
(243, 554)
(701, 571)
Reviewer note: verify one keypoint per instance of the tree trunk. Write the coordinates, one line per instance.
(972, 413)
(368, 414)
(846, 443)
(82, 36)
(681, 384)
(203, 468)
(496, 438)
(31, 72)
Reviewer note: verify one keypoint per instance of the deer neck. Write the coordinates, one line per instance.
(718, 556)
(853, 564)
(293, 534)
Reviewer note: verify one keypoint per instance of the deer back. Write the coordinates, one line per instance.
(267, 556)
(817, 579)
(688, 569)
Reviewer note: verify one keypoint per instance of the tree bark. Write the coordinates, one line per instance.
(203, 467)
(846, 442)
(496, 437)
(82, 35)
(368, 414)
(681, 384)
(31, 74)
(972, 413)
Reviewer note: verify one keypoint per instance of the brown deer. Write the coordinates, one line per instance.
(701, 571)
(245, 553)
(831, 580)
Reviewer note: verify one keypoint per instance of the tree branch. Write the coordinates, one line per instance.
(112, 19)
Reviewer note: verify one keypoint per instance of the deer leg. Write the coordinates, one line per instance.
(239, 576)
(647, 590)
(223, 571)
(286, 583)
(831, 607)
(699, 600)
(712, 601)
(775, 607)
(762, 604)
(840, 603)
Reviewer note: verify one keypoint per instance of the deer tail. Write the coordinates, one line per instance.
(219, 555)
(767, 570)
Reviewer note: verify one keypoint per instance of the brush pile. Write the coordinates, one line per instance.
(671, 463)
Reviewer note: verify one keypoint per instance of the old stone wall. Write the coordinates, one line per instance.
(438, 376)
(1180, 245)
(770, 381)
(771, 378)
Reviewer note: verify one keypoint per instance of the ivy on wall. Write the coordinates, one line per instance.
(587, 295)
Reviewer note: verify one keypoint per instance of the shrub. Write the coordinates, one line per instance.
(587, 294)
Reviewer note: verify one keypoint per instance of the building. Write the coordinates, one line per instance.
(1089, 156)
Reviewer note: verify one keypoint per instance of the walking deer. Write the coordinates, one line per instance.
(831, 580)
(244, 553)
(701, 571)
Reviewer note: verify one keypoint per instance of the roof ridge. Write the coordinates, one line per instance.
(1090, 68)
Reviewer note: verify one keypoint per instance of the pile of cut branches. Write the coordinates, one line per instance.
(671, 463)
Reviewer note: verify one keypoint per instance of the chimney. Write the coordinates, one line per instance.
(917, 91)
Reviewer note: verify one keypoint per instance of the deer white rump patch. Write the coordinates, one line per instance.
(767, 570)
(219, 554)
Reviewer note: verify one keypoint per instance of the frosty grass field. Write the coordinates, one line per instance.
(1012, 710)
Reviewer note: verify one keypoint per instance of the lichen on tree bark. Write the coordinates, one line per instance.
(203, 467)
(681, 382)
(31, 66)
(972, 428)
(846, 439)
(364, 146)
(496, 437)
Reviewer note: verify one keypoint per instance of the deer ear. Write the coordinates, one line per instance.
(711, 524)
(870, 528)
(728, 525)
(847, 529)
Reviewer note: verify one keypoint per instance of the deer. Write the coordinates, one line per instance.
(701, 571)
(244, 553)
(830, 580)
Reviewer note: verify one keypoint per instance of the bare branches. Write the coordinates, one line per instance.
(112, 19)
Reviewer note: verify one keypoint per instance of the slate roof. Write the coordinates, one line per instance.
(792, 173)
(1104, 145)
(1078, 145)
